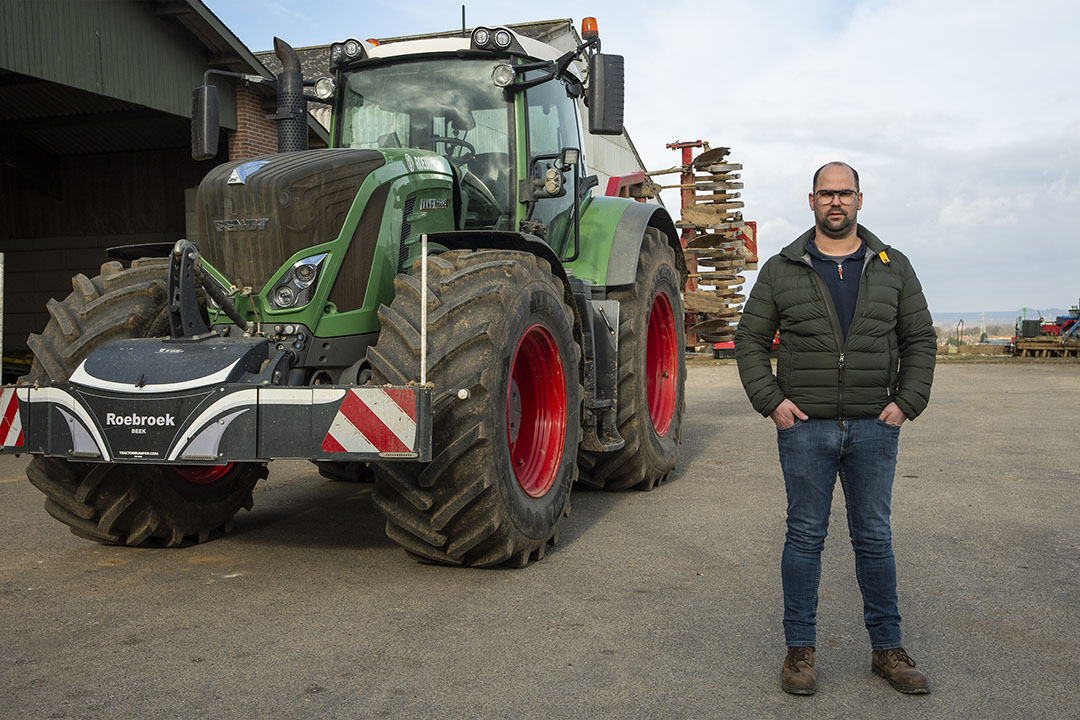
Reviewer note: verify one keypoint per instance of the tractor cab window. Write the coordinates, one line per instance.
(553, 125)
(449, 106)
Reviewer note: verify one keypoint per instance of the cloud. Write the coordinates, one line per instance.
(960, 117)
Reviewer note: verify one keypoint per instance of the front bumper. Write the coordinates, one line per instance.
(216, 424)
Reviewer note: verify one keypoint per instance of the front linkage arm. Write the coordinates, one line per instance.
(185, 317)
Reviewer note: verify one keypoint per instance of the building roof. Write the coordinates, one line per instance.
(83, 78)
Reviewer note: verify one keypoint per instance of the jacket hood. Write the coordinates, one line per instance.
(797, 249)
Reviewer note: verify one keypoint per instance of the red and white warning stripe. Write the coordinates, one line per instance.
(380, 420)
(11, 434)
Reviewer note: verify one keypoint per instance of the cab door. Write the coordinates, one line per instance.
(552, 124)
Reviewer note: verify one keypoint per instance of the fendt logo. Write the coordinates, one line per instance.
(241, 224)
(139, 420)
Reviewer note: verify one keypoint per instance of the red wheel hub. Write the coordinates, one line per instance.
(536, 411)
(202, 474)
(661, 363)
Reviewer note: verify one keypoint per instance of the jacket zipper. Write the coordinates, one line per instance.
(841, 342)
(834, 319)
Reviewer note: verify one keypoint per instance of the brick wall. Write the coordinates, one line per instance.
(255, 135)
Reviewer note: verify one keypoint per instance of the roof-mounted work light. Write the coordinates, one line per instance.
(349, 51)
(497, 39)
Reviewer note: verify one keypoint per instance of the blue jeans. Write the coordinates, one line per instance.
(863, 453)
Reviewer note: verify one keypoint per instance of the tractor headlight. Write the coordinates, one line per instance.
(503, 38)
(284, 296)
(324, 88)
(351, 48)
(481, 37)
(503, 75)
(296, 286)
(305, 275)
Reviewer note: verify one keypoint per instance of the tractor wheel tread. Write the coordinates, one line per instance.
(418, 497)
(85, 287)
(69, 326)
(80, 526)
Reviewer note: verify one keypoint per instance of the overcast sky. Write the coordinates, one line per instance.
(962, 118)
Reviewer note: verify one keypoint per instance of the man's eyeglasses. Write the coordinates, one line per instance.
(847, 197)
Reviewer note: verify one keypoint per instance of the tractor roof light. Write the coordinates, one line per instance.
(348, 51)
(481, 37)
(588, 29)
(496, 39)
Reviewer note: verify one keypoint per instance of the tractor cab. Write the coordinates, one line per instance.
(445, 105)
(502, 108)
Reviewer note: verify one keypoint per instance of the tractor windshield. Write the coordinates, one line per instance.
(450, 106)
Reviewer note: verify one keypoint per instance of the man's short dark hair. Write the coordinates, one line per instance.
(854, 172)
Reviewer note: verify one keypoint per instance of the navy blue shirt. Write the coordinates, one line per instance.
(841, 274)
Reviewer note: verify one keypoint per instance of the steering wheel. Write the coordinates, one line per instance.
(452, 143)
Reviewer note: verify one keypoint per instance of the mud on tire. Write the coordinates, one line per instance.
(651, 376)
(504, 455)
(117, 503)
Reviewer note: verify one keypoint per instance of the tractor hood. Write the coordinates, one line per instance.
(254, 214)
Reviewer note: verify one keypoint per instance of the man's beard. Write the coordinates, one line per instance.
(836, 230)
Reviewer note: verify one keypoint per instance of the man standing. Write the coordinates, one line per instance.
(856, 359)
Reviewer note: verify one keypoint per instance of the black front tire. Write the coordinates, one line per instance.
(116, 503)
(468, 506)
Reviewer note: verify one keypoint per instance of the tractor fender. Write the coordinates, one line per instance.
(612, 230)
(506, 240)
(626, 244)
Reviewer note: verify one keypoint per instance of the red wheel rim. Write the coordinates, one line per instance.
(202, 474)
(536, 411)
(661, 364)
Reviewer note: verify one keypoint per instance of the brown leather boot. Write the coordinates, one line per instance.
(798, 677)
(899, 669)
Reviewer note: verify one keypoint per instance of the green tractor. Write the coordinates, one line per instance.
(437, 300)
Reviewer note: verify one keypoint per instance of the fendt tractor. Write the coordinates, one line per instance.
(436, 299)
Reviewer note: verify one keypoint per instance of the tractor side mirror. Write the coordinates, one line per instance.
(205, 123)
(606, 94)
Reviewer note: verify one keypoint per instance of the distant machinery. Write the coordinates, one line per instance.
(1043, 339)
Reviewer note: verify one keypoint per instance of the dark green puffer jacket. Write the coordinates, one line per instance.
(890, 348)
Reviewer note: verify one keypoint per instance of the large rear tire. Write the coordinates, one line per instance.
(116, 503)
(506, 427)
(652, 374)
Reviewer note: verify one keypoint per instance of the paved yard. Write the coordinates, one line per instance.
(655, 605)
